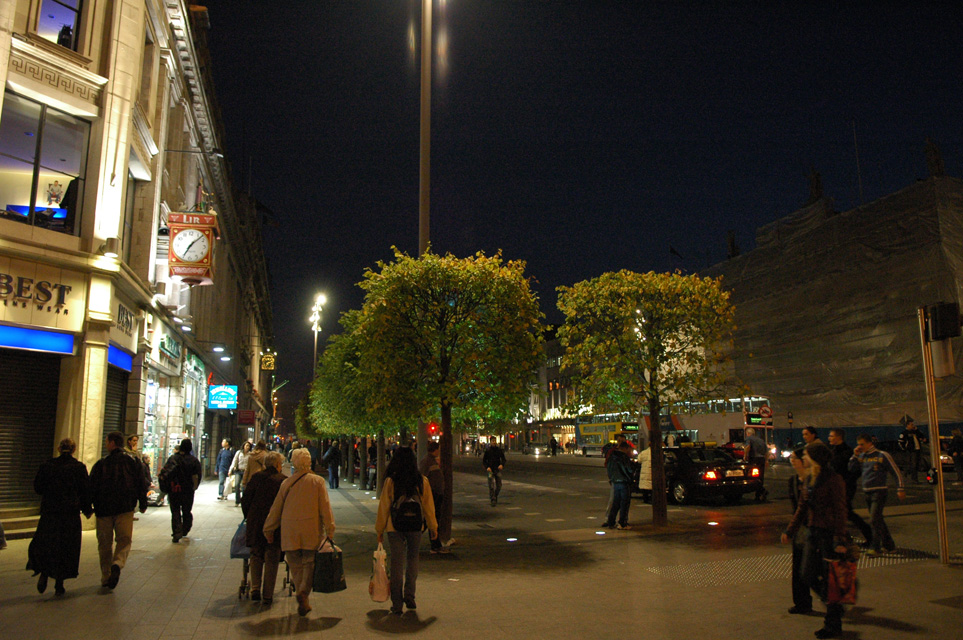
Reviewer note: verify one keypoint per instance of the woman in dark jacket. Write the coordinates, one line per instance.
(256, 504)
(54, 551)
(822, 508)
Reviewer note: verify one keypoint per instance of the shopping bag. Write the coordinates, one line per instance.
(841, 582)
(239, 548)
(229, 484)
(378, 587)
(328, 568)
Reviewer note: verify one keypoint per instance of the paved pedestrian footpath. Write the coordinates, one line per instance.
(681, 583)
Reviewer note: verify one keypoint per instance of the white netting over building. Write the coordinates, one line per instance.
(826, 307)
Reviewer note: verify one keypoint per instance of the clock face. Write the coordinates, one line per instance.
(190, 245)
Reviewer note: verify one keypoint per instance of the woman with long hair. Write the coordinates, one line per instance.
(404, 487)
(55, 549)
(822, 508)
(238, 467)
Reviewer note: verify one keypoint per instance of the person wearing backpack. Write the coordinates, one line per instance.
(181, 477)
(405, 508)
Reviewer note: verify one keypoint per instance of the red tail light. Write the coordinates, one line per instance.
(710, 475)
(754, 473)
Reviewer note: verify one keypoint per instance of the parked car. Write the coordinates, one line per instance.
(537, 448)
(696, 470)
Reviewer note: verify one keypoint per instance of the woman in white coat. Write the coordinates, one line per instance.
(303, 513)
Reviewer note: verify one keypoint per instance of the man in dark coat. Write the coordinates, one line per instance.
(55, 548)
(494, 462)
(256, 504)
(332, 458)
(430, 467)
(116, 486)
(842, 453)
(184, 473)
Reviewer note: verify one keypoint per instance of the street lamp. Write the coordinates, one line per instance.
(315, 321)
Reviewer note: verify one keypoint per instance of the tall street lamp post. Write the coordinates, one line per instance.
(315, 321)
(424, 182)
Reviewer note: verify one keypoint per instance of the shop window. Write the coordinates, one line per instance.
(59, 21)
(43, 155)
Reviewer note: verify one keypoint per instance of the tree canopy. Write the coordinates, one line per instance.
(442, 333)
(639, 341)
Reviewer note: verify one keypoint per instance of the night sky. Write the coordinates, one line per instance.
(582, 136)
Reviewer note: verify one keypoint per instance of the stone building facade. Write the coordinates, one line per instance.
(109, 126)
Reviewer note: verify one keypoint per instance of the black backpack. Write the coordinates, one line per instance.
(169, 478)
(406, 513)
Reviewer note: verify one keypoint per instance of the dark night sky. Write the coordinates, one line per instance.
(581, 136)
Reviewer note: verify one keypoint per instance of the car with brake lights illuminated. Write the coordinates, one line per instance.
(703, 470)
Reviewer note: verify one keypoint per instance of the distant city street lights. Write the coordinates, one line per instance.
(315, 321)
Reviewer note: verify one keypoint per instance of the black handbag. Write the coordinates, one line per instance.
(328, 569)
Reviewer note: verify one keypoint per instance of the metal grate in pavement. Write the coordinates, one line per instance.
(762, 568)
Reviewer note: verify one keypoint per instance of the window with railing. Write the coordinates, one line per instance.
(59, 21)
(43, 156)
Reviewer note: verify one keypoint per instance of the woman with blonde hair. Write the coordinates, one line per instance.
(55, 549)
(303, 513)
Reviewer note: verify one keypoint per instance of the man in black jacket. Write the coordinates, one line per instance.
(842, 453)
(911, 440)
(117, 486)
(184, 475)
(494, 462)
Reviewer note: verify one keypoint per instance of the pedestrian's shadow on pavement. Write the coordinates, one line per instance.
(287, 625)
(861, 616)
(384, 621)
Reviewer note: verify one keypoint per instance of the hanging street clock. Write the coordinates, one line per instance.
(191, 253)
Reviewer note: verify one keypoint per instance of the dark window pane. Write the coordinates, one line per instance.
(19, 126)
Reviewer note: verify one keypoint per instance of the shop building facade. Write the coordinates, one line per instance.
(109, 134)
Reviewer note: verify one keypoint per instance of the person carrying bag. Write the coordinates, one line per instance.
(378, 587)
(405, 509)
(303, 513)
(329, 568)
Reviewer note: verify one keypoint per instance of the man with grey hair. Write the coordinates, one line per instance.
(256, 503)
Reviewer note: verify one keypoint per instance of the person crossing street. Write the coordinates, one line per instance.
(494, 462)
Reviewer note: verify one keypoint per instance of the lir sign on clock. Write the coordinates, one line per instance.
(191, 252)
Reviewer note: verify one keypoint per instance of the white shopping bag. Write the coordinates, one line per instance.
(378, 586)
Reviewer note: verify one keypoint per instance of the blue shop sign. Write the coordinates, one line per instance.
(222, 396)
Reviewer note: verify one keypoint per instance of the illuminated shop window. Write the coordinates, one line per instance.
(43, 156)
(59, 20)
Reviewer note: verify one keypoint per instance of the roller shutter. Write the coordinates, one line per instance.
(28, 414)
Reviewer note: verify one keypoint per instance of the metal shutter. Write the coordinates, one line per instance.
(28, 415)
(115, 403)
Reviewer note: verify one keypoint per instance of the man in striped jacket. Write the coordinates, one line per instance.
(874, 465)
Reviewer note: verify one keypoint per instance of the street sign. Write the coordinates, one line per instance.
(765, 411)
(246, 416)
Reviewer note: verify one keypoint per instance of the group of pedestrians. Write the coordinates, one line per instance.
(116, 486)
(822, 489)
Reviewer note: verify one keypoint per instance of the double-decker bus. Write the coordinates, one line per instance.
(591, 437)
(721, 420)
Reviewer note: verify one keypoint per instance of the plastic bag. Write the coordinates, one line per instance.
(229, 484)
(239, 548)
(378, 587)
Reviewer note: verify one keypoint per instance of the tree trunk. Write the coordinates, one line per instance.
(659, 505)
(363, 464)
(352, 452)
(380, 473)
(445, 444)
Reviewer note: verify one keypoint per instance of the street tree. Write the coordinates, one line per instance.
(340, 395)
(638, 342)
(443, 333)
